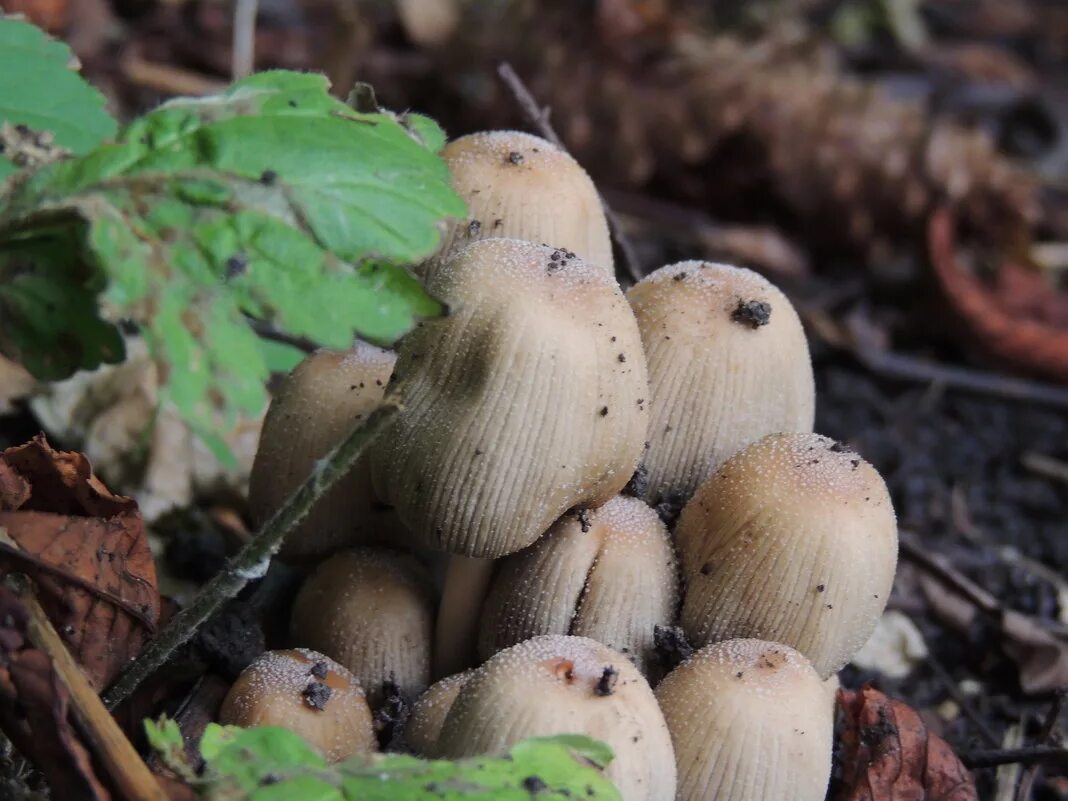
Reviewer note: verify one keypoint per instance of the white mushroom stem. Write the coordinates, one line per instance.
(467, 581)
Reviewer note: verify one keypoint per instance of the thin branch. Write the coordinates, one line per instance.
(1049, 726)
(244, 43)
(252, 561)
(1028, 755)
(539, 118)
(265, 330)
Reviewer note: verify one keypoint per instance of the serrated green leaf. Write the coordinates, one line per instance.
(38, 89)
(273, 200)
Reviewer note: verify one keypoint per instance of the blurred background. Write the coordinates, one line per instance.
(898, 167)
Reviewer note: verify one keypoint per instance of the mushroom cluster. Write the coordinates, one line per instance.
(514, 534)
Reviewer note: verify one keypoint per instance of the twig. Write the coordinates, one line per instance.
(1027, 781)
(252, 561)
(265, 330)
(1028, 755)
(539, 118)
(1045, 466)
(962, 701)
(167, 79)
(956, 582)
(125, 767)
(244, 42)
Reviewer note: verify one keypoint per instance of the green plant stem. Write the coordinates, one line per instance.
(252, 561)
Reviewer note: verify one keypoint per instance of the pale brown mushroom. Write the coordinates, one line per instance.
(317, 404)
(608, 574)
(526, 401)
(371, 610)
(520, 186)
(728, 364)
(429, 713)
(566, 685)
(307, 693)
(749, 721)
(792, 540)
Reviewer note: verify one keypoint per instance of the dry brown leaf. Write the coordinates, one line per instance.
(34, 710)
(86, 550)
(887, 754)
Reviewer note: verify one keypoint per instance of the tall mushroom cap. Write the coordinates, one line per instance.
(305, 692)
(609, 574)
(566, 685)
(371, 610)
(429, 712)
(750, 721)
(317, 404)
(520, 186)
(526, 401)
(793, 540)
(728, 364)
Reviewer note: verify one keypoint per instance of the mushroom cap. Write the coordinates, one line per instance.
(520, 186)
(566, 685)
(793, 540)
(526, 401)
(307, 693)
(317, 404)
(372, 611)
(613, 582)
(749, 721)
(429, 712)
(728, 364)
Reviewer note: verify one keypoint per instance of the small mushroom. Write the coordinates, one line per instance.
(305, 692)
(317, 404)
(792, 540)
(517, 408)
(750, 721)
(608, 574)
(429, 713)
(370, 609)
(566, 685)
(728, 364)
(520, 186)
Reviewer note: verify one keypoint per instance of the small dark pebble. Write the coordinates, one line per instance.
(316, 695)
(606, 685)
(753, 313)
(534, 785)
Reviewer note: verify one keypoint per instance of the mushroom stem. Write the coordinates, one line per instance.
(467, 581)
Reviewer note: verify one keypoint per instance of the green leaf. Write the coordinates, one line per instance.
(165, 738)
(38, 89)
(273, 200)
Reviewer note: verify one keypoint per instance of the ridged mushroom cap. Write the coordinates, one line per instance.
(749, 721)
(429, 713)
(526, 401)
(317, 404)
(793, 540)
(728, 364)
(520, 186)
(307, 693)
(609, 574)
(566, 685)
(372, 611)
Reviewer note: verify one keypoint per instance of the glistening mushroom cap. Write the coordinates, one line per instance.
(371, 610)
(305, 692)
(749, 721)
(793, 540)
(317, 404)
(429, 713)
(608, 574)
(520, 186)
(526, 401)
(728, 364)
(566, 685)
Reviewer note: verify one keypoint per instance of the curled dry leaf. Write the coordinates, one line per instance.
(34, 706)
(87, 551)
(887, 754)
(1013, 321)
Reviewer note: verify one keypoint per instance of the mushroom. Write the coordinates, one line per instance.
(305, 692)
(608, 574)
(728, 364)
(526, 401)
(429, 712)
(749, 721)
(316, 406)
(792, 540)
(566, 685)
(520, 186)
(370, 609)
